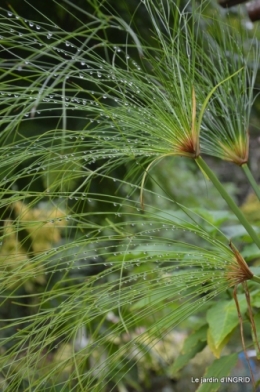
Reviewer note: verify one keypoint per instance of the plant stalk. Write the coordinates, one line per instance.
(256, 279)
(251, 179)
(239, 214)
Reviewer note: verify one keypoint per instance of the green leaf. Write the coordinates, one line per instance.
(223, 318)
(198, 335)
(217, 371)
(255, 295)
(82, 120)
(257, 326)
(183, 359)
(216, 218)
(194, 343)
(211, 343)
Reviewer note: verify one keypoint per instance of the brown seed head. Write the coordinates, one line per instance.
(238, 271)
(238, 152)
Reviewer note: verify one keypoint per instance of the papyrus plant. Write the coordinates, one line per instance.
(84, 121)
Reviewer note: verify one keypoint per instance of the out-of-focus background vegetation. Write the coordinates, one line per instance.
(186, 186)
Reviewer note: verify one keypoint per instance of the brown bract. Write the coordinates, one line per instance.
(238, 151)
(188, 148)
(238, 271)
(190, 145)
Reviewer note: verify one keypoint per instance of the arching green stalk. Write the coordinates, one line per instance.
(251, 179)
(239, 214)
(205, 103)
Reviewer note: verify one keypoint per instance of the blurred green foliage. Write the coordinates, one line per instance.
(33, 227)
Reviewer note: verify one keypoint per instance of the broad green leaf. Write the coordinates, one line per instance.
(183, 359)
(194, 343)
(215, 374)
(199, 334)
(216, 218)
(211, 343)
(255, 295)
(85, 116)
(223, 318)
(257, 326)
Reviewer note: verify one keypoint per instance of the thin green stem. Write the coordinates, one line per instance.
(242, 219)
(256, 279)
(251, 179)
(205, 103)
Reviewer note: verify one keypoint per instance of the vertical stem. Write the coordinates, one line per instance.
(239, 214)
(251, 179)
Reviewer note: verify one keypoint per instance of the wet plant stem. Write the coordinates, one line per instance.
(251, 179)
(239, 214)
